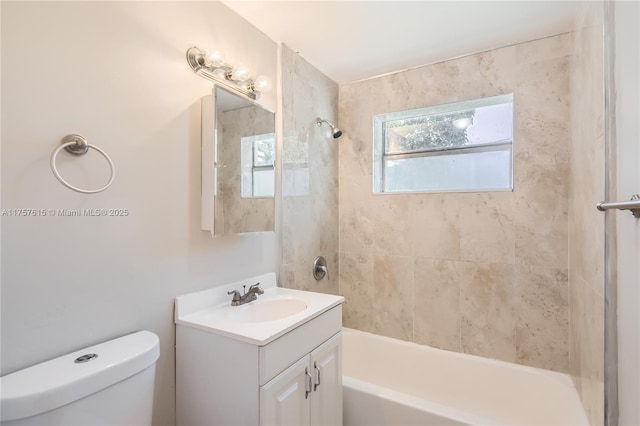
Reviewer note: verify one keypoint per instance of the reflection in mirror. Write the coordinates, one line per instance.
(242, 168)
(258, 165)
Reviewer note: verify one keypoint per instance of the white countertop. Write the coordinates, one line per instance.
(211, 310)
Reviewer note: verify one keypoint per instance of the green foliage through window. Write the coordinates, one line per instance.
(428, 132)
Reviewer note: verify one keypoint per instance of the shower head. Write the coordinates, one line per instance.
(335, 132)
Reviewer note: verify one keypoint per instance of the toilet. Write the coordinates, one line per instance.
(107, 384)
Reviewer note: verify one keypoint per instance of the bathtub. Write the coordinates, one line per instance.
(391, 382)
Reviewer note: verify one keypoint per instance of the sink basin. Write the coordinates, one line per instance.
(268, 310)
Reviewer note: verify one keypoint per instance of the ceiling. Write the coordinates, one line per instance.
(355, 40)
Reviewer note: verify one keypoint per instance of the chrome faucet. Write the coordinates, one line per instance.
(248, 296)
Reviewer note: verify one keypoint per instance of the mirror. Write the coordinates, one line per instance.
(238, 165)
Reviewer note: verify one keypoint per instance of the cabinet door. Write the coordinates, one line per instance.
(326, 400)
(284, 399)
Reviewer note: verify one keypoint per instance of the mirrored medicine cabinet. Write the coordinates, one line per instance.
(238, 165)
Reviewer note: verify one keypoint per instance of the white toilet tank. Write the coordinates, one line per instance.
(114, 388)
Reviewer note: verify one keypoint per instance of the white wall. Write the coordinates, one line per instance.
(627, 69)
(116, 73)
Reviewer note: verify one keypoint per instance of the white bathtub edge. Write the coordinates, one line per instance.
(562, 378)
(414, 402)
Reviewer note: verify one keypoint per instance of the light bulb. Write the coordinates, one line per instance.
(214, 59)
(244, 85)
(262, 83)
(221, 73)
(240, 74)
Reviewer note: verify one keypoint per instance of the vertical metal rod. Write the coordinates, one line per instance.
(611, 407)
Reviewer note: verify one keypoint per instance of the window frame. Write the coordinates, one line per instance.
(380, 155)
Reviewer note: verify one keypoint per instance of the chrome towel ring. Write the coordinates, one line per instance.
(77, 145)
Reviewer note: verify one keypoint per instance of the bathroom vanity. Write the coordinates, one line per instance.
(274, 361)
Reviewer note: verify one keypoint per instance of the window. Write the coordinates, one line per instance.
(463, 146)
(258, 159)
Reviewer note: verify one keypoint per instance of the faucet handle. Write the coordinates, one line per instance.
(257, 287)
(236, 295)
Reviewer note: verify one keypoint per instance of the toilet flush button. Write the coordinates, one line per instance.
(86, 358)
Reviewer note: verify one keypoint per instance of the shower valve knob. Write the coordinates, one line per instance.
(320, 268)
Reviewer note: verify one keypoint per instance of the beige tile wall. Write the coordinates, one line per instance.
(309, 175)
(586, 224)
(481, 273)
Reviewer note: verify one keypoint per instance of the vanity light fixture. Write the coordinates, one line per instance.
(213, 67)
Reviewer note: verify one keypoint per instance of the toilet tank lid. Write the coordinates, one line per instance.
(60, 381)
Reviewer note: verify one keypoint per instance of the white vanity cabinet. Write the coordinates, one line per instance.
(307, 393)
(282, 372)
